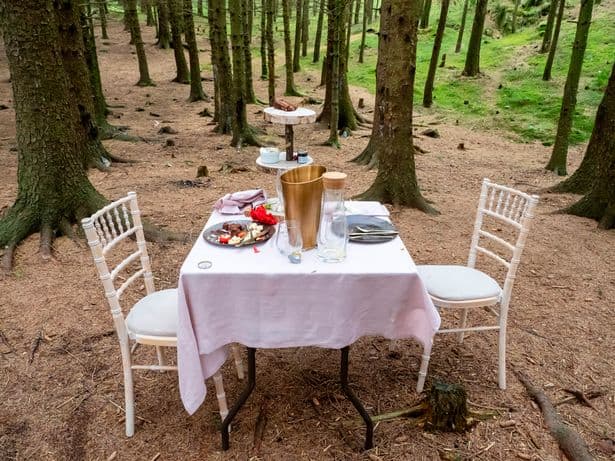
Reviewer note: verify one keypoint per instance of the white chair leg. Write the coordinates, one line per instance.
(129, 395)
(462, 324)
(238, 362)
(161, 360)
(221, 396)
(502, 357)
(423, 370)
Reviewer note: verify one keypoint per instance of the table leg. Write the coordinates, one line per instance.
(242, 398)
(289, 142)
(369, 424)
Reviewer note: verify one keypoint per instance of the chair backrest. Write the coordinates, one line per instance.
(104, 230)
(508, 207)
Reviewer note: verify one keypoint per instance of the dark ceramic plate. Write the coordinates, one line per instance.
(212, 233)
(371, 223)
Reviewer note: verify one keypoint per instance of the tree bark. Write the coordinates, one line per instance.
(263, 40)
(164, 38)
(247, 51)
(462, 26)
(242, 133)
(196, 87)
(433, 63)
(288, 53)
(183, 74)
(317, 37)
(557, 162)
(297, 47)
(270, 51)
(396, 179)
(546, 38)
(336, 19)
(150, 20)
(199, 8)
(363, 33)
(305, 27)
(216, 16)
(53, 188)
(357, 12)
(103, 20)
(135, 33)
(546, 75)
(596, 174)
(472, 66)
(72, 50)
(370, 11)
(425, 14)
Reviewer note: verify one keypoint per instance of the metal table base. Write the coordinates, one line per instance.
(251, 384)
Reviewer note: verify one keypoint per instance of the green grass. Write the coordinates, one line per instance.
(525, 105)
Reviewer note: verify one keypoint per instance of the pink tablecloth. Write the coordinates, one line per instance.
(261, 300)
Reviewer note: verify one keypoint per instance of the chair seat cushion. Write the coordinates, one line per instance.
(458, 283)
(155, 314)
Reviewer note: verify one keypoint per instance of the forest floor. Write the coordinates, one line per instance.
(60, 368)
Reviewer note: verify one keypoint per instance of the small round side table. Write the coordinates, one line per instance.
(296, 117)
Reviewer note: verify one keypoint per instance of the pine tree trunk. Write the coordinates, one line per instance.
(149, 12)
(433, 63)
(72, 50)
(216, 16)
(357, 12)
(263, 40)
(370, 10)
(472, 66)
(305, 27)
(183, 74)
(164, 38)
(53, 188)
(196, 87)
(514, 17)
(603, 136)
(546, 38)
(557, 162)
(199, 8)
(363, 33)
(288, 54)
(247, 51)
(317, 37)
(462, 26)
(270, 51)
(135, 33)
(425, 14)
(297, 47)
(546, 75)
(100, 105)
(103, 20)
(597, 171)
(377, 8)
(242, 133)
(396, 180)
(336, 19)
(347, 117)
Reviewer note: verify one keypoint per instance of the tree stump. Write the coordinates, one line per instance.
(447, 408)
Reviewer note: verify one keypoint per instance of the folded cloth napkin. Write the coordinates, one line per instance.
(233, 203)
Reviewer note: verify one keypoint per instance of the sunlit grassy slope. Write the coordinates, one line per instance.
(511, 94)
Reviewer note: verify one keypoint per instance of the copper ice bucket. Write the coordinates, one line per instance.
(302, 189)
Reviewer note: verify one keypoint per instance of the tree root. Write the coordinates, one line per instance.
(116, 159)
(570, 442)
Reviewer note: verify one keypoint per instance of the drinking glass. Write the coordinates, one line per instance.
(278, 189)
(289, 241)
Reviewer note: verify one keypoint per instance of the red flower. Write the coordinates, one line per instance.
(261, 215)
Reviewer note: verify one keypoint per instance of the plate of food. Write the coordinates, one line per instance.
(238, 233)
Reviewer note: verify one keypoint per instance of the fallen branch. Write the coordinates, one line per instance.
(259, 429)
(35, 344)
(580, 397)
(570, 442)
